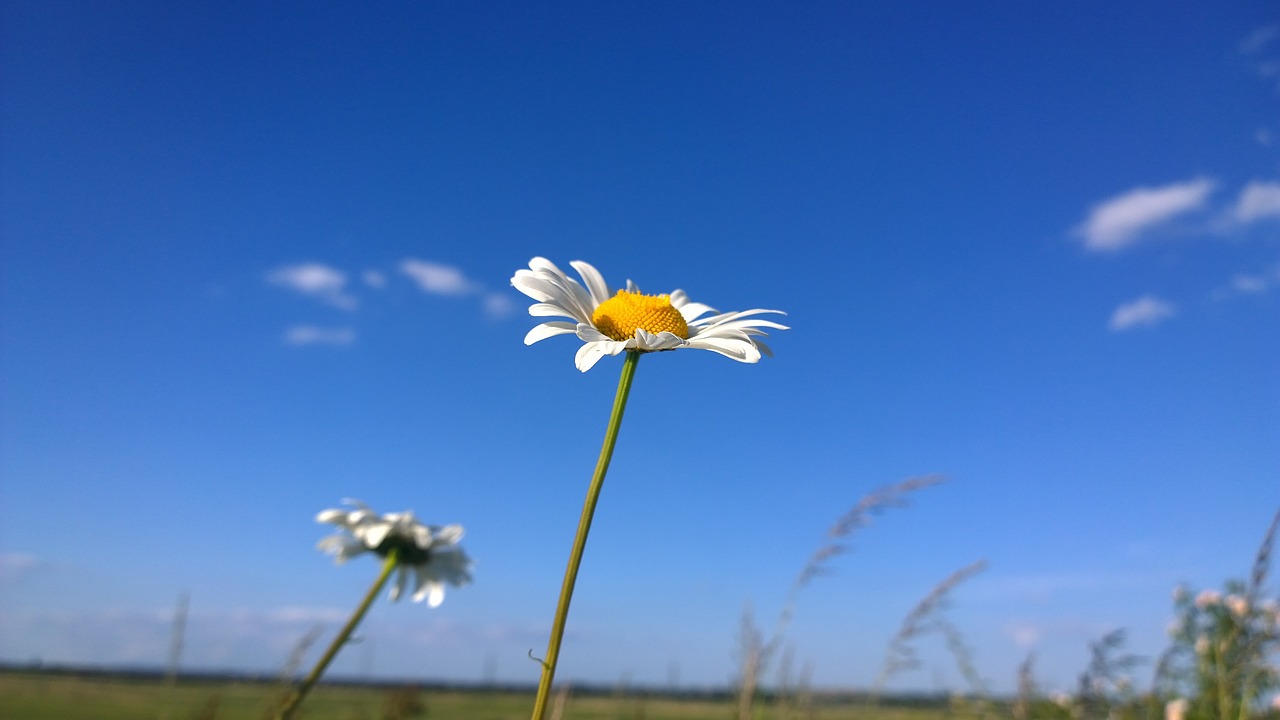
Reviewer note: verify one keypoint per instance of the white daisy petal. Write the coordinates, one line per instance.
(420, 581)
(549, 329)
(449, 534)
(332, 516)
(541, 263)
(421, 536)
(692, 310)
(552, 286)
(397, 589)
(731, 316)
(753, 323)
(548, 310)
(689, 309)
(341, 547)
(740, 350)
(655, 343)
(595, 282)
(535, 287)
(724, 333)
(633, 321)
(588, 355)
(373, 535)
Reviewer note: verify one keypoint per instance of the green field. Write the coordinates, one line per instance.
(50, 696)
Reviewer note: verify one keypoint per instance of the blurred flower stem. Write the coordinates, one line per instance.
(294, 701)
(580, 540)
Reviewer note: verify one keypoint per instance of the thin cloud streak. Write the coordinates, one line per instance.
(437, 279)
(448, 281)
(1145, 311)
(316, 280)
(1121, 221)
(16, 565)
(1249, 284)
(498, 305)
(1259, 39)
(1258, 200)
(313, 335)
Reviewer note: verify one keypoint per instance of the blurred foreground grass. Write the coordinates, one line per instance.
(49, 696)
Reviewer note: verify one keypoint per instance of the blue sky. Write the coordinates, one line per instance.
(256, 260)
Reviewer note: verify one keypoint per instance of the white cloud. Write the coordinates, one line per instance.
(250, 640)
(312, 335)
(497, 305)
(1146, 310)
(437, 279)
(374, 279)
(316, 280)
(300, 614)
(1257, 47)
(1258, 200)
(1263, 137)
(1249, 284)
(1259, 39)
(1120, 221)
(15, 565)
(1024, 634)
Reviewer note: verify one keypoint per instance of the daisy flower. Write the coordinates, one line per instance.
(430, 552)
(610, 323)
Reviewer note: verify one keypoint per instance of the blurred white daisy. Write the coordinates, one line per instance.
(1237, 604)
(1208, 598)
(430, 552)
(610, 323)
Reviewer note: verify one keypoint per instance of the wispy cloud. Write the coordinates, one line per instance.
(1023, 633)
(313, 335)
(15, 565)
(1146, 310)
(498, 305)
(334, 287)
(1258, 200)
(301, 614)
(1259, 39)
(1257, 47)
(237, 638)
(437, 279)
(1249, 284)
(1123, 220)
(1130, 217)
(315, 280)
(257, 639)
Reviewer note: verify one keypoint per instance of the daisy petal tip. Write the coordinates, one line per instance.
(328, 516)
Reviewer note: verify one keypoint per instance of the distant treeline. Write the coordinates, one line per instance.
(147, 674)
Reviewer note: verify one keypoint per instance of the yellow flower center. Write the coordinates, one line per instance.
(621, 315)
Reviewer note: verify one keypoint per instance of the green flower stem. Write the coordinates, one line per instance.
(580, 540)
(297, 696)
